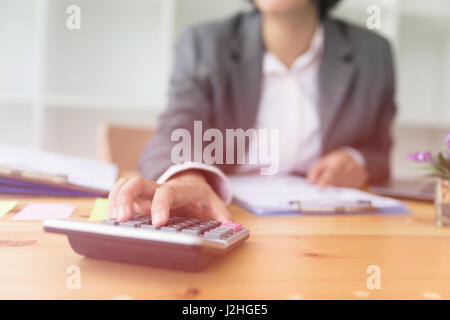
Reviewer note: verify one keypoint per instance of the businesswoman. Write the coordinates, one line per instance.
(328, 86)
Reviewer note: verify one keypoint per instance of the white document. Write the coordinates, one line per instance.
(273, 194)
(80, 172)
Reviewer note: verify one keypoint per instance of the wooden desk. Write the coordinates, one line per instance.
(285, 258)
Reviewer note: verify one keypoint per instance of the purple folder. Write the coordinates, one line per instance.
(11, 187)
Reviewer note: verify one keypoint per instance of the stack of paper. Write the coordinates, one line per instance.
(269, 195)
(31, 172)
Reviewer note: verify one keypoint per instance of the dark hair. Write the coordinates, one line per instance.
(324, 6)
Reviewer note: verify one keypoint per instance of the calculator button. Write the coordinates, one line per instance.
(195, 232)
(182, 226)
(111, 222)
(233, 226)
(169, 228)
(131, 223)
(218, 233)
(210, 224)
(212, 235)
(150, 227)
(204, 228)
(214, 224)
(142, 217)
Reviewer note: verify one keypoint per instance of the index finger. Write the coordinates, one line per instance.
(315, 173)
(130, 191)
(112, 197)
(161, 204)
(220, 212)
(327, 179)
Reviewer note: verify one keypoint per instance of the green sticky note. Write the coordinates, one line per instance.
(7, 206)
(100, 210)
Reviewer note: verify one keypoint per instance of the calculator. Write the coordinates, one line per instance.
(182, 243)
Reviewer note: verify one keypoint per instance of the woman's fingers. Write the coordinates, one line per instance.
(328, 178)
(189, 194)
(346, 175)
(142, 206)
(112, 209)
(315, 173)
(128, 193)
(219, 211)
(161, 204)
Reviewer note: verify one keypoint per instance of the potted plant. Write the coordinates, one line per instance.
(438, 166)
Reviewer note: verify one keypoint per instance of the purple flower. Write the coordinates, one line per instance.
(447, 139)
(420, 156)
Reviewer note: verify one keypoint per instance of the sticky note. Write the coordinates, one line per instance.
(100, 210)
(41, 211)
(7, 206)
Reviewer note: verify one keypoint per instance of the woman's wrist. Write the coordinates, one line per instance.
(190, 174)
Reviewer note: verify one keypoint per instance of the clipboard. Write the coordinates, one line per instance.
(323, 207)
(293, 195)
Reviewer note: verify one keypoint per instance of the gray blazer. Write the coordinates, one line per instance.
(217, 79)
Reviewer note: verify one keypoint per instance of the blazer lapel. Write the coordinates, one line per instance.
(336, 75)
(245, 71)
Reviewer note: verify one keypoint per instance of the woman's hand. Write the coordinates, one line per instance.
(337, 168)
(186, 194)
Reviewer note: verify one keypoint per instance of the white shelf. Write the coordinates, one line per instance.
(7, 99)
(430, 122)
(99, 102)
(429, 8)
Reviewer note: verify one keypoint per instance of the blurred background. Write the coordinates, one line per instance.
(58, 85)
